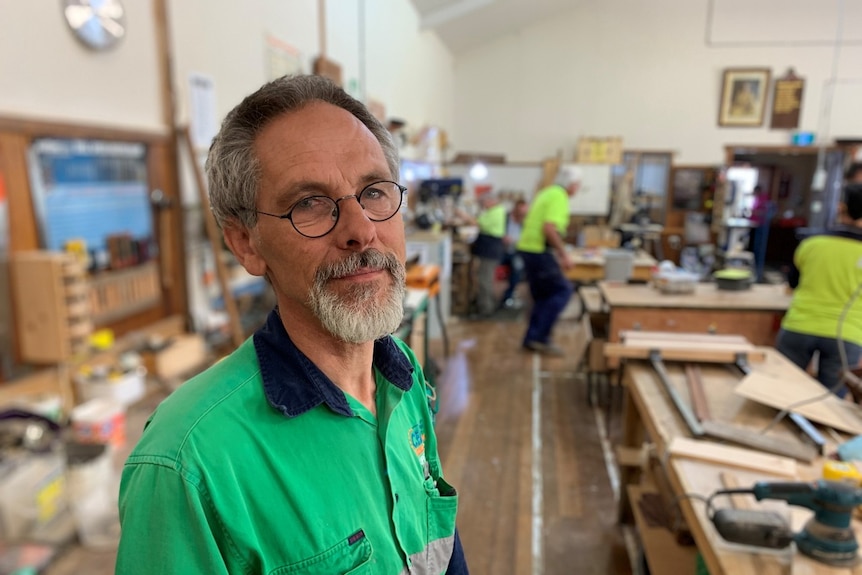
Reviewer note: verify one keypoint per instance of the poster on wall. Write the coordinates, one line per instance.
(85, 191)
(203, 122)
(787, 102)
(282, 58)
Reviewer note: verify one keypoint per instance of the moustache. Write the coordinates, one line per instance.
(369, 259)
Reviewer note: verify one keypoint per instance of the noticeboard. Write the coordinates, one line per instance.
(787, 102)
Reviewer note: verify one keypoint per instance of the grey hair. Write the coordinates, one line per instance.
(569, 175)
(233, 169)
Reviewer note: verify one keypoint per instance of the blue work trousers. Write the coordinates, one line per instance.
(516, 267)
(800, 347)
(550, 291)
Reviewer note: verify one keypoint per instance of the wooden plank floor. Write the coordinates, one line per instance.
(486, 436)
(486, 441)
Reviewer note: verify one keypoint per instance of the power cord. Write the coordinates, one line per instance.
(710, 510)
(846, 374)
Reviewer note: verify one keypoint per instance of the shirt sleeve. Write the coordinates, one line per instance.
(799, 256)
(168, 526)
(558, 212)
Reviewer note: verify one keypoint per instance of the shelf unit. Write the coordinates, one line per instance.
(52, 311)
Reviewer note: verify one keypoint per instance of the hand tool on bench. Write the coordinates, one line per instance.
(718, 430)
(800, 420)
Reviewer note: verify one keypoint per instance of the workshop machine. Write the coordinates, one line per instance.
(827, 537)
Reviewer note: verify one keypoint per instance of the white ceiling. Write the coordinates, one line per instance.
(465, 24)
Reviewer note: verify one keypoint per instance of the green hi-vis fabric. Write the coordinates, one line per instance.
(222, 482)
(492, 221)
(830, 270)
(550, 205)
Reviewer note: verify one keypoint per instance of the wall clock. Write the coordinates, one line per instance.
(98, 24)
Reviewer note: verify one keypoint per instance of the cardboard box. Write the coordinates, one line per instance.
(600, 237)
(183, 354)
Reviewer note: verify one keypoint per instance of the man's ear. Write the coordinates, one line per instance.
(243, 244)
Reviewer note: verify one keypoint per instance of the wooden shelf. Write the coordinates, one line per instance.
(52, 314)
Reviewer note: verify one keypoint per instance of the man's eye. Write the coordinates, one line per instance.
(310, 203)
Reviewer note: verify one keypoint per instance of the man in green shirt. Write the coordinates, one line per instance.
(827, 278)
(311, 448)
(541, 240)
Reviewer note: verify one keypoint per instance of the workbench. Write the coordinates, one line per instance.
(650, 415)
(754, 313)
(589, 265)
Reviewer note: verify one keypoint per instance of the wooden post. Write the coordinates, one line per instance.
(321, 26)
(214, 236)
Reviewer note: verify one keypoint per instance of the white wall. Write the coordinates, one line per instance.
(46, 74)
(644, 70)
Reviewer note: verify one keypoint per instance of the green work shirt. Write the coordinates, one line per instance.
(550, 205)
(830, 270)
(492, 222)
(262, 465)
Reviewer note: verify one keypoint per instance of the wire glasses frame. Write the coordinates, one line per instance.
(316, 216)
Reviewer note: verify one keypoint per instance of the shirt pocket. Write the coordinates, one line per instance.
(350, 556)
(442, 503)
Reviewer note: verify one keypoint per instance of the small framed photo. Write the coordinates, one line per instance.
(743, 97)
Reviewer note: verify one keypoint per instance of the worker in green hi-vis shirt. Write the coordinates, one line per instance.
(311, 448)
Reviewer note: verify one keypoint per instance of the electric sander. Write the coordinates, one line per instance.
(827, 537)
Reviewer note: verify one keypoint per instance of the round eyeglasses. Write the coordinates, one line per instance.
(316, 216)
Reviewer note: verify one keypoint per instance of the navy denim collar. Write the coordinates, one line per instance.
(293, 384)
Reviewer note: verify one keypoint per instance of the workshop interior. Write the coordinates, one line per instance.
(696, 408)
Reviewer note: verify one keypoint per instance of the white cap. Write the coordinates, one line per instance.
(569, 175)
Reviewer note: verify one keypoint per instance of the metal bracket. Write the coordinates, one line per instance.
(690, 420)
(800, 420)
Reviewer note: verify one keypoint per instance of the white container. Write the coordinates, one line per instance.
(126, 389)
(93, 491)
(619, 265)
(676, 282)
(32, 494)
(100, 420)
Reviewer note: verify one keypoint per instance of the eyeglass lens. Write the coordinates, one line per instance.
(317, 215)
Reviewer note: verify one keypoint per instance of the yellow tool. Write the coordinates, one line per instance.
(842, 471)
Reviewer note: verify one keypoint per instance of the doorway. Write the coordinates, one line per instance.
(801, 187)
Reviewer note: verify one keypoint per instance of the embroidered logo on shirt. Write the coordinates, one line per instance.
(416, 435)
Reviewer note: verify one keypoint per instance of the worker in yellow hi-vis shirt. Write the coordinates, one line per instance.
(826, 312)
(489, 250)
(544, 254)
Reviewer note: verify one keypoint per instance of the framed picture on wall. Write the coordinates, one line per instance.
(743, 97)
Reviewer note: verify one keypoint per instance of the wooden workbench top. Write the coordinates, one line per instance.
(596, 257)
(705, 296)
(663, 423)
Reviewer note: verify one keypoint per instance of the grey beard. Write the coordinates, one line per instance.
(361, 315)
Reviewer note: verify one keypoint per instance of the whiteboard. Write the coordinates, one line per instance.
(519, 180)
(593, 198)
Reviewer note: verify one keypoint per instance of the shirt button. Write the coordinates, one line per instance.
(396, 498)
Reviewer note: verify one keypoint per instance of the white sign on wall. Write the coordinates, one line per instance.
(594, 196)
(203, 123)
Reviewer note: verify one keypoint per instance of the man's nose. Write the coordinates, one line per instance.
(354, 230)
